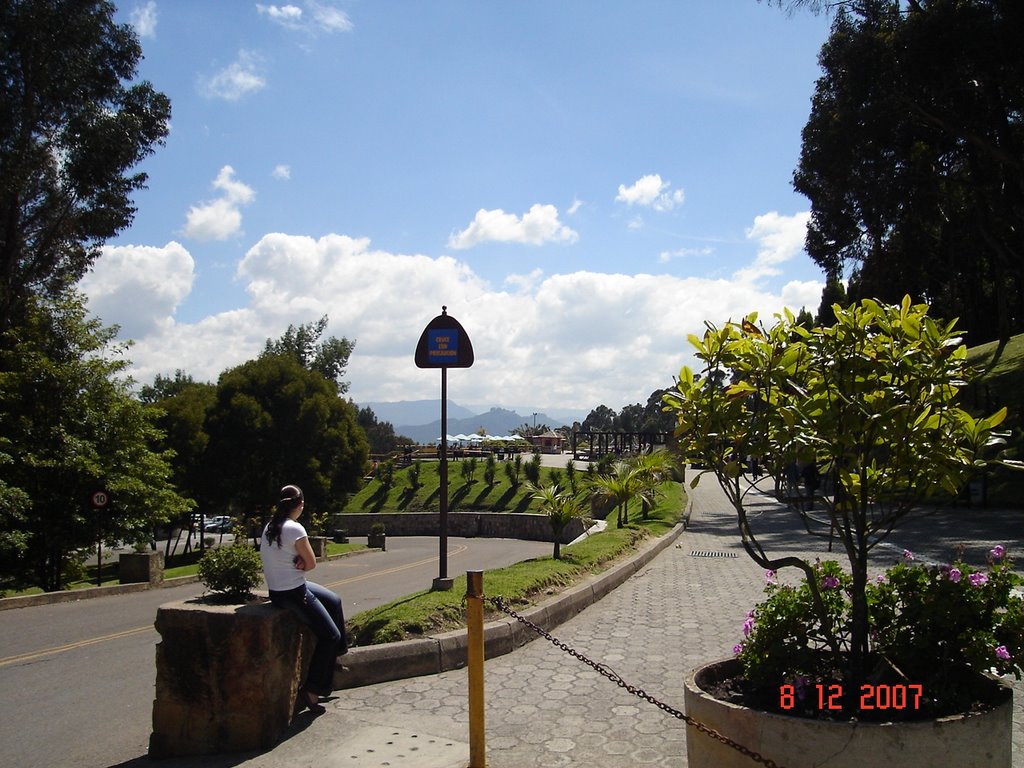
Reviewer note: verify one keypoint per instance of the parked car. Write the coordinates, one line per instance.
(219, 524)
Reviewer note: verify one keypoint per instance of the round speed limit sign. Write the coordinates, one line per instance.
(99, 499)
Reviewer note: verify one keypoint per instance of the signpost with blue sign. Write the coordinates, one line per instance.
(444, 344)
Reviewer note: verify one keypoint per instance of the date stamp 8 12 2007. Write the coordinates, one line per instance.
(872, 697)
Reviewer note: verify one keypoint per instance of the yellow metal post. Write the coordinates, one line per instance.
(475, 665)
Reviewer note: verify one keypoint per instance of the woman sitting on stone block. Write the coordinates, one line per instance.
(287, 555)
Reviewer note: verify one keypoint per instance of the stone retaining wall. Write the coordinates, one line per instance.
(491, 525)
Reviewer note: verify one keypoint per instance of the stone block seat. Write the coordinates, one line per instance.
(226, 676)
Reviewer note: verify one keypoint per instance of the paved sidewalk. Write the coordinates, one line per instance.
(546, 709)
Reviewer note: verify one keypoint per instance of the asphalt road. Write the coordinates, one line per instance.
(76, 679)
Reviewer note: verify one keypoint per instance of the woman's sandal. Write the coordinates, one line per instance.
(308, 700)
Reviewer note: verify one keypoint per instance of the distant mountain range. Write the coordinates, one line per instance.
(420, 420)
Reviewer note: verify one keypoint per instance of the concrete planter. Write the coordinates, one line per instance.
(141, 567)
(319, 545)
(226, 676)
(982, 740)
(377, 541)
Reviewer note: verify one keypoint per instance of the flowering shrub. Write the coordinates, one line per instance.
(929, 628)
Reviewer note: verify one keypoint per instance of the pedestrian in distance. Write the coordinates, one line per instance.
(811, 481)
(287, 556)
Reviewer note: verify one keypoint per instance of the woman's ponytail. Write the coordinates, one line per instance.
(290, 498)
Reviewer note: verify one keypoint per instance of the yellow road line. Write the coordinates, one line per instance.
(453, 551)
(71, 646)
(31, 656)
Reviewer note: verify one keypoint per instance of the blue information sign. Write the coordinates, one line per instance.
(444, 344)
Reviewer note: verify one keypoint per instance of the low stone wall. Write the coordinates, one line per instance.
(226, 676)
(491, 525)
(141, 567)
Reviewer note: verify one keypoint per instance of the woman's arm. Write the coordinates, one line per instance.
(305, 560)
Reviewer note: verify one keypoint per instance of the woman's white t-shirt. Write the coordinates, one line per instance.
(279, 561)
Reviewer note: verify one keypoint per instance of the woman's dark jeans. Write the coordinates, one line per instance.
(320, 609)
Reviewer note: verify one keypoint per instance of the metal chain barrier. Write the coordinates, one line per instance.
(500, 604)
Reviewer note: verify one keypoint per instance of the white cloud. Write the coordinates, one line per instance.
(143, 18)
(576, 205)
(220, 218)
(651, 192)
(525, 282)
(139, 287)
(537, 226)
(289, 16)
(236, 80)
(684, 253)
(322, 17)
(283, 172)
(779, 239)
(328, 18)
(580, 339)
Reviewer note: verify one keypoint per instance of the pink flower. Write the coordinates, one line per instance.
(880, 578)
(748, 626)
(908, 555)
(955, 575)
(769, 577)
(1002, 653)
(738, 648)
(978, 579)
(998, 552)
(830, 582)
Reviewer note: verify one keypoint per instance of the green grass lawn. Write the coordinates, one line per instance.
(424, 613)
(465, 494)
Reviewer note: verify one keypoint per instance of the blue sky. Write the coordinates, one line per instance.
(583, 184)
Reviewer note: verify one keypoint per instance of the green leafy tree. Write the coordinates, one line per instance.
(630, 418)
(14, 507)
(871, 400)
(654, 418)
(72, 126)
(70, 427)
(184, 407)
(912, 160)
(832, 294)
(600, 419)
(380, 434)
(275, 422)
(490, 469)
(328, 357)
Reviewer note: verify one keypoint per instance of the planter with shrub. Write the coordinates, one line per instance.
(228, 665)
